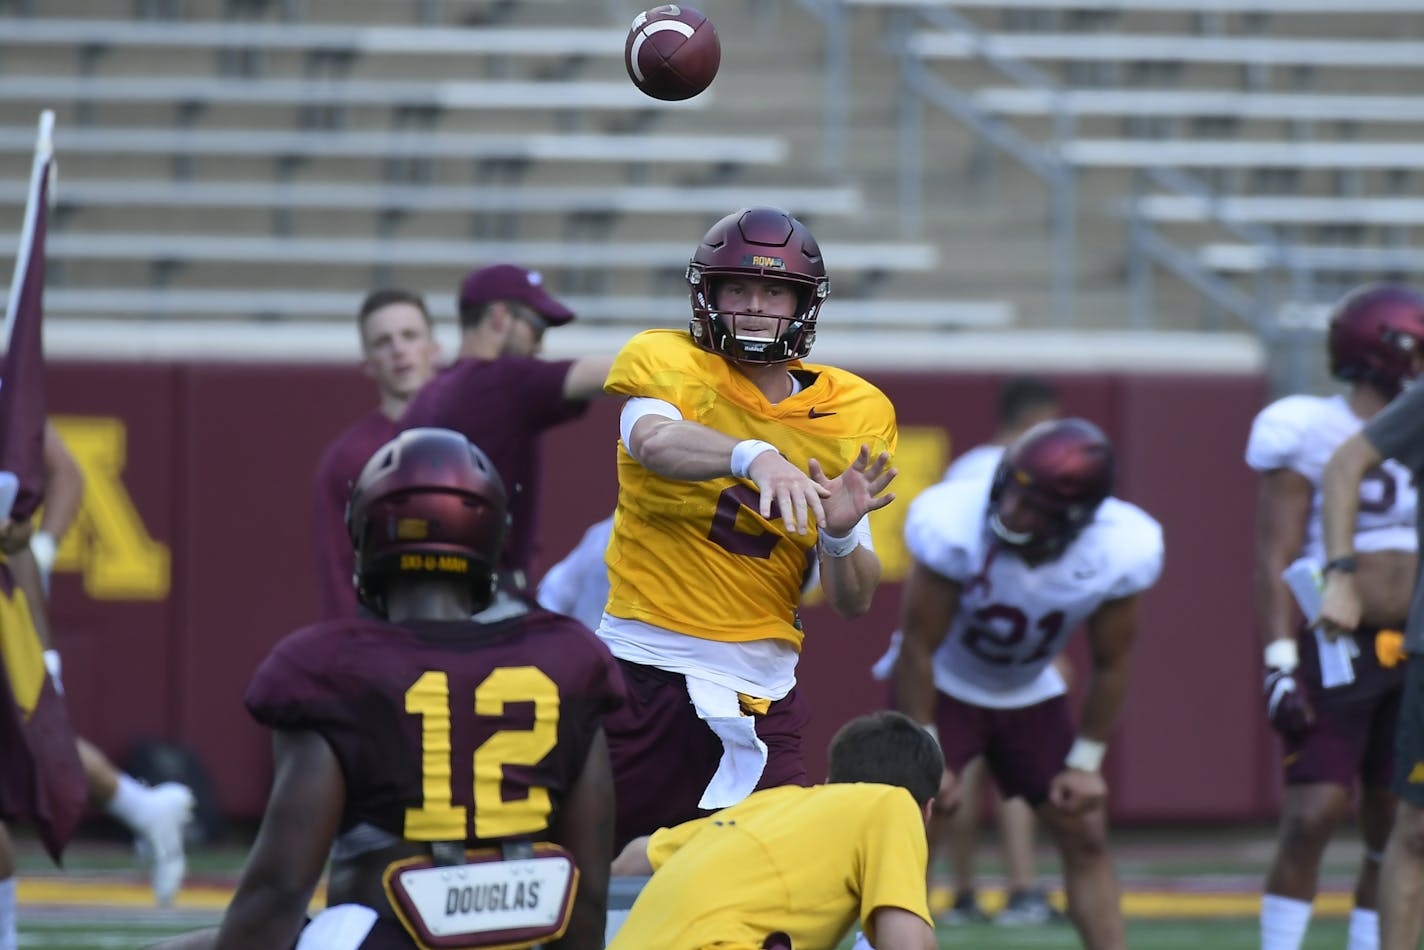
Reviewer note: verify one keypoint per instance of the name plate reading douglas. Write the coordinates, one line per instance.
(487, 902)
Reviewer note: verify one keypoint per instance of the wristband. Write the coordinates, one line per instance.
(1086, 755)
(1345, 564)
(838, 547)
(745, 451)
(52, 667)
(1282, 655)
(42, 546)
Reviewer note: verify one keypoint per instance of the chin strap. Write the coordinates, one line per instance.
(982, 578)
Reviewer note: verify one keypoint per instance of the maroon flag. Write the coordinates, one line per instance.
(22, 375)
(41, 779)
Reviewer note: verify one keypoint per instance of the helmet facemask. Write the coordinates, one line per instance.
(717, 330)
(1048, 525)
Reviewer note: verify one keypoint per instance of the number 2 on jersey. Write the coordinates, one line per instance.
(1006, 637)
(724, 528)
(439, 818)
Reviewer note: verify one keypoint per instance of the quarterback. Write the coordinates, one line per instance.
(1004, 570)
(740, 467)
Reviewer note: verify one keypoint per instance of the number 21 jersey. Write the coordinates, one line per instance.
(1014, 618)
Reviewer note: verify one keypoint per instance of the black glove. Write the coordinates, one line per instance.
(1286, 702)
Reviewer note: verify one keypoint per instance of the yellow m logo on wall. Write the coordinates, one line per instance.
(108, 541)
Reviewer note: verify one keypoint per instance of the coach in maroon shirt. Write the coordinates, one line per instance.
(501, 397)
(401, 355)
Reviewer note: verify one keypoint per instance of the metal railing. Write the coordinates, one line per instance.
(1287, 284)
(919, 86)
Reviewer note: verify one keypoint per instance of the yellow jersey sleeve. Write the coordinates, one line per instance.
(697, 557)
(665, 842)
(893, 855)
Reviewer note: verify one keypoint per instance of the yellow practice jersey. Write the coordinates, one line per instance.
(806, 862)
(697, 557)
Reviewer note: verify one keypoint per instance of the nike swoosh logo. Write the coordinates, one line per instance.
(818, 415)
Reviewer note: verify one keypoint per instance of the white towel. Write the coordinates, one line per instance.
(743, 752)
(342, 927)
(1337, 659)
(1306, 582)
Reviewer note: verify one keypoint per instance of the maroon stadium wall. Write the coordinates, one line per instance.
(192, 556)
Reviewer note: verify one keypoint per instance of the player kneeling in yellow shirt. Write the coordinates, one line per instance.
(797, 867)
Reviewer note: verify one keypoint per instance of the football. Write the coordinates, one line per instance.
(672, 52)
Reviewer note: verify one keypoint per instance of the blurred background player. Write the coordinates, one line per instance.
(1335, 706)
(578, 585)
(1023, 402)
(851, 850)
(500, 396)
(156, 816)
(400, 353)
(1397, 432)
(365, 714)
(723, 503)
(1003, 571)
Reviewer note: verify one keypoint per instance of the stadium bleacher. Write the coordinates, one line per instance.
(513, 121)
(374, 151)
(1205, 120)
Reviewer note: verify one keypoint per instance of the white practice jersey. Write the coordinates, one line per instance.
(1013, 619)
(1300, 433)
(978, 463)
(578, 585)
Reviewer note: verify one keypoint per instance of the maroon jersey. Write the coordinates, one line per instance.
(502, 405)
(446, 730)
(341, 463)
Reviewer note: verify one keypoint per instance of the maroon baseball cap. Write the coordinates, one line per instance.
(508, 282)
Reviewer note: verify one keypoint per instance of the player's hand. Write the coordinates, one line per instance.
(1340, 608)
(1077, 792)
(854, 493)
(1286, 703)
(794, 493)
(15, 535)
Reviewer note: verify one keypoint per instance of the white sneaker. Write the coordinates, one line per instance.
(170, 808)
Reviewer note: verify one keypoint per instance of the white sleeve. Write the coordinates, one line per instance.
(640, 406)
(558, 591)
(1276, 435)
(581, 568)
(1138, 550)
(943, 525)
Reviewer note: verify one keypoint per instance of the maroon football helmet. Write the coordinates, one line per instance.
(766, 243)
(1375, 333)
(427, 504)
(1048, 486)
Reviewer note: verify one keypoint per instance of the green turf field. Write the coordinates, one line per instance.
(1184, 889)
(1142, 935)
